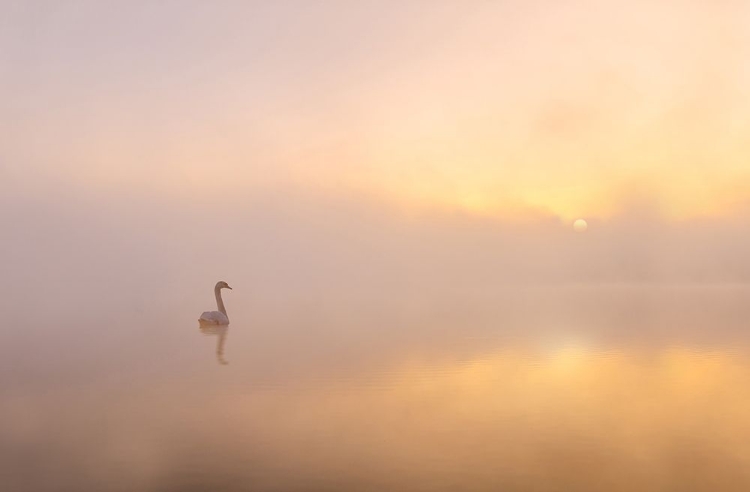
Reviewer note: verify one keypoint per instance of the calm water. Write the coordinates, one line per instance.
(543, 389)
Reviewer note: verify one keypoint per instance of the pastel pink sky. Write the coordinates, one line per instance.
(507, 109)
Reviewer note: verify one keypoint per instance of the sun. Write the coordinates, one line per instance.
(580, 225)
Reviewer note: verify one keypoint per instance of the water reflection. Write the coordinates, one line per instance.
(615, 390)
(220, 332)
(511, 419)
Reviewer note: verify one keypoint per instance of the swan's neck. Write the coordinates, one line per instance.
(220, 302)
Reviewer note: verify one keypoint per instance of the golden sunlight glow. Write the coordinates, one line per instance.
(627, 405)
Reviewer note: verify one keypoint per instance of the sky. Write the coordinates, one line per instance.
(369, 146)
(510, 110)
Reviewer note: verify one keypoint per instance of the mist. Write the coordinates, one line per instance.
(296, 243)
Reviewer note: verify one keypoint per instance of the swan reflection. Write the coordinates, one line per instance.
(221, 332)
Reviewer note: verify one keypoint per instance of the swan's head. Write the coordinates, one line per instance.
(223, 285)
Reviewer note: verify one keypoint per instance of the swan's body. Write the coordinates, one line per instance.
(217, 317)
(214, 318)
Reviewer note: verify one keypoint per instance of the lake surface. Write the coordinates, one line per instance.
(615, 388)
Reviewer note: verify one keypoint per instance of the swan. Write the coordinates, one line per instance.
(217, 317)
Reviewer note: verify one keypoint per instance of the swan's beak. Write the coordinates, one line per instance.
(228, 287)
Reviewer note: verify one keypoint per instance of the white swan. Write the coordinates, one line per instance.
(217, 317)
